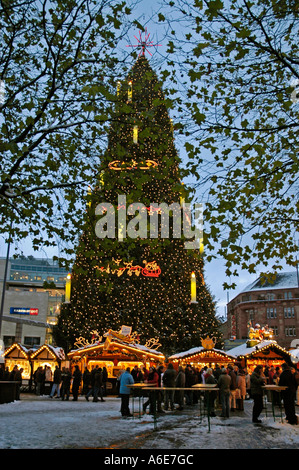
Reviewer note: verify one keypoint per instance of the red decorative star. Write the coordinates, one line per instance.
(144, 43)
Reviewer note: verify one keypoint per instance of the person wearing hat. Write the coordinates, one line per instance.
(287, 379)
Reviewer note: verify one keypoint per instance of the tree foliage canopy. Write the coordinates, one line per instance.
(240, 63)
(58, 63)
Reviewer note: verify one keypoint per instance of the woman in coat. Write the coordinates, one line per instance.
(241, 387)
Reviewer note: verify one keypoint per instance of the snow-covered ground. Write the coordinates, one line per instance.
(43, 423)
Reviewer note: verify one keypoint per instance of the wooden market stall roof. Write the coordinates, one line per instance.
(17, 351)
(117, 346)
(48, 352)
(265, 350)
(202, 355)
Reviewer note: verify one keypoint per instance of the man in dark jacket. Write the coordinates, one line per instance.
(77, 378)
(169, 377)
(18, 379)
(98, 385)
(224, 382)
(287, 378)
(66, 378)
(257, 380)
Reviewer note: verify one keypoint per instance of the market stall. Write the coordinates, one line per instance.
(201, 356)
(47, 357)
(261, 349)
(117, 352)
(18, 355)
(265, 353)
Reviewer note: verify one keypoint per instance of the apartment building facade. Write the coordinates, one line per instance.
(275, 305)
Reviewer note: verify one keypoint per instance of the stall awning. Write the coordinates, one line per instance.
(200, 354)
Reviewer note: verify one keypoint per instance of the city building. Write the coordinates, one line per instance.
(34, 291)
(275, 305)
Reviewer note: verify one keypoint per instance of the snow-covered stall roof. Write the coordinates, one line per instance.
(243, 350)
(198, 351)
(56, 352)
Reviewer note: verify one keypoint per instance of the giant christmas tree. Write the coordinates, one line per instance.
(129, 271)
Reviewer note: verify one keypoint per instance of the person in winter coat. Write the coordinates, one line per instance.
(38, 379)
(66, 377)
(56, 382)
(224, 383)
(18, 379)
(241, 388)
(257, 380)
(77, 378)
(153, 379)
(125, 379)
(180, 383)
(86, 380)
(92, 383)
(190, 380)
(210, 397)
(105, 380)
(169, 377)
(287, 378)
(98, 385)
(233, 388)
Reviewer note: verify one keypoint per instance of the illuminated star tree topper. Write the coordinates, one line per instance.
(144, 44)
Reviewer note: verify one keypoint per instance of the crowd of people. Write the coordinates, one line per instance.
(234, 385)
(15, 375)
(91, 383)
